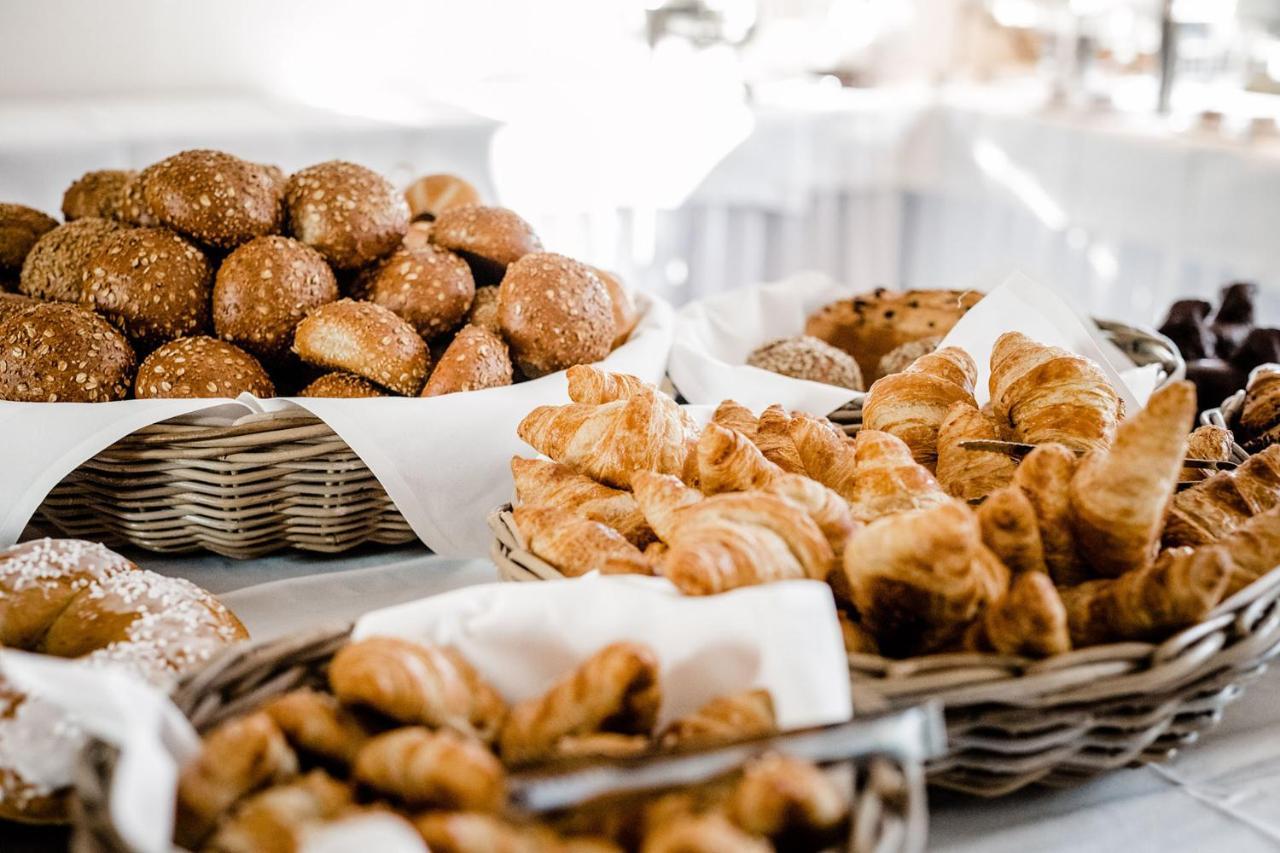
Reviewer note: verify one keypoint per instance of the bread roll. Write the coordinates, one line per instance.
(430, 196)
(348, 213)
(54, 269)
(625, 313)
(12, 303)
(555, 313)
(134, 210)
(201, 367)
(430, 287)
(476, 359)
(364, 339)
(99, 193)
(490, 238)
(484, 310)
(56, 352)
(20, 228)
(805, 357)
(344, 385)
(213, 197)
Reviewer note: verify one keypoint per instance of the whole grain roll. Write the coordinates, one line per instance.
(54, 269)
(364, 339)
(151, 284)
(100, 194)
(200, 367)
(20, 228)
(263, 290)
(490, 238)
(477, 358)
(555, 313)
(133, 209)
(342, 385)
(804, 357)
(418, 235)
(484, 310)
(625, 313)
(351, 215)
(430, 196)
(56, 352)
(430, 287)
(213, 197)
(12, 303)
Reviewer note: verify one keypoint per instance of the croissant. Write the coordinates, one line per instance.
(608, 442)
(888, 480)
(778, 794)
(416, 684)
(1047, 394)
(1261, 413)
(1254, 549)
(236, 758)
(1030, 620)
(912, 404)
(919, 578)
(441, 769)
(731, 414)
(773, 437)
(1011, 531)
(315, 723)
(739, 716)
(468, 832)
(1177, 590)
(825, 455)
(702, 833)
(275, 820)
(590, 384)
(576, 545)
(542, 483)
(827, 509)
(1044, 476)
(601, 745)
(660, 499)
(1207, 442)
(970, 474)
(616, 690)
(1216, 506)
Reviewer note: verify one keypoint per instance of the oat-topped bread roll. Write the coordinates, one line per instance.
(134, 209)
(806, 357)
(263, 290)
(350, 214)
(484, 310)
(625, 313)
(20, 228)
(475, 359)
(869, 327)
(55, 267)
(55, 352)
(430, 287)
(213, 197)
(555, 313)
(364, 339)
(432, 195)
(340, 384)
(201, 367)
(899, 359)
(99, 193)
(152, 284)
(12, 303)
(490, 238)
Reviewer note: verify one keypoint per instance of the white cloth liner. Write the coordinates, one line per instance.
(442, 460)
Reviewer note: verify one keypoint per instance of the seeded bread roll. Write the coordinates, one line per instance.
(99, 193)
(341, 385)
(351, 215)
(364, 339)
(899, 359)
(134, 210)
(555, 313)
(56, 352)
(152, 284)
(484, 310)
(54, 270)
(213, 197)
(430, 287)
(803, 357)
(12, 303)
(476, 359)
(20, 228)
(490, 238)
(263, 290)
(200, 367)
(432, 195)
(625, 314)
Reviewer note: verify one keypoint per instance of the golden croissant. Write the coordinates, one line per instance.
(660, 499)
(542, 483)
(1047, 394)
(471, 832)
(1207, 442)
(1030, 620)
(735, 416)
(1254, 549)
(711, 832)
(1044, 476)
(317, 724)
(826, 455)
(964, 473)
(773, 437)
(1011, 531)
(888, 480)
(912, 404)
(576, 545)
(589, 384)
(739, 716)
(441, 769)
(1216, 506)
(778, 794)
(277, 818)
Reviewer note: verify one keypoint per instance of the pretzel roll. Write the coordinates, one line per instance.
(54, 269)
(201, 367)
(430, 287)
(54, 352)
(350, 214)
(476, 359)
(490, 238)
(99, 193)
(20, 228)
(342, 385)
(213, 197)
(152, 284)
(430, 196)
(555, 313)
(263, 290)
(625, 313)
(364, 339)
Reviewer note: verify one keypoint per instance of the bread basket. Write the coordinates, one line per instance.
(889, 808)
(1227, 415)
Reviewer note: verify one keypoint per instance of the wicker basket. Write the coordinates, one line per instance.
(1013, 722)
(889, 808)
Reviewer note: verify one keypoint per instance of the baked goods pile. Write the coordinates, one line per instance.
(929, 545)
(75, 599)
(205, 275)
(413, 730)
(1260, 417)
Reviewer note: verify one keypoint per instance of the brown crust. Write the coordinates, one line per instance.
(484, 310)
(364, 339)
(213, 197)
(806, 357)
(55, 352)
(54, 269)
(430, 287)
(342, 385)
(201, 367)
(20, 228)
(12, 303)
(432, 195)
(493, 234)
(152, 284)
(350, 214)
(625, 313)
(99, 193)
(133, 208)
(476, 359)
(263, 290)
(555, 313)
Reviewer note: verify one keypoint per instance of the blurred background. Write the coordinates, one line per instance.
(1123, 151)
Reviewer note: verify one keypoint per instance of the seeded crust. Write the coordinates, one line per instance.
(430, 196)
(899, 359)
(55, 352)
(20, 228)
(200, 367)
(804, 357)
(213, 197)
(152, 284)
(484, 310)
(55, 267)
(263, 290)
(99, 193)
(344, 385)
(364, 339)
(133, 209)
(476, 359)
(430, 287)
(350, 214)
(555, 313)
(490, 238)
(12, 303)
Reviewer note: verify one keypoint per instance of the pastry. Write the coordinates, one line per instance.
(1260, 417)
(964, 473)
(1044, 476)
(1214, 507)
(899, 359)
(213, 197)
(350, 214)
(1253, 548)
(55, 352)
(741, 716)
(554, 313)
(1012, 531)
(99, 193)
(780, 795)
(702, 832)
(432, 195)
(342, 385)
(912, 404)
(887, 480)
(277, 820)
(577, 545)
(422, 768)
(364, 339)
(429, 287)
(660, 499)
(201, 367)
(467, 832)
(1030, 621)
(806, 357)
(735, 416)
(489, 238)
(55, 266)
(315, 723)
(133, 209)
(20, 228)
(542, 483)
(773, 437)
(1206, 442)
(824, 453)
(475, 359)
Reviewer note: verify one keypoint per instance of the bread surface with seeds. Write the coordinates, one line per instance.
(430, 287)
(364, 339)
(555, 313)
(201, 367)
(55, 352)
(99, 193)
(350, 214)
(54, 269)
(344, 385)
(213, 197)
(20, 228)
